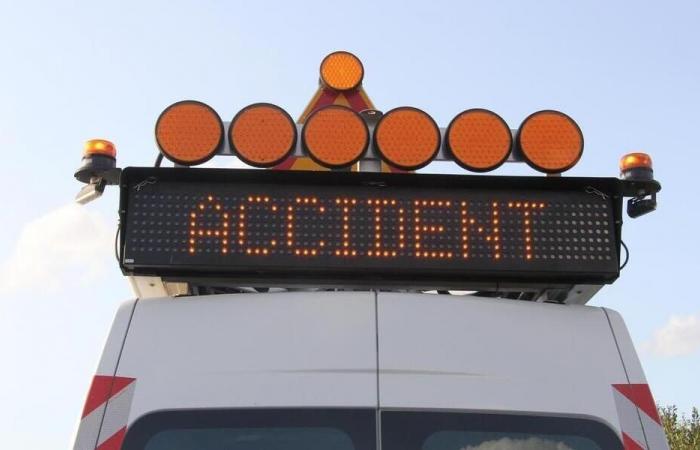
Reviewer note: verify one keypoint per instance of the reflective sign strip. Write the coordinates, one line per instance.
(639, 419)
(630, 444)
(105, 414)
(629, 422)
(357, 100)
(654, 432)
(286, 164)
(89, 429)
(640, 395)
(102, 388)
(114, 442)
(116, 416)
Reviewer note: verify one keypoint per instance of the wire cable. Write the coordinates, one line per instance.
(627, 254)
(116, 243)
(159, 160)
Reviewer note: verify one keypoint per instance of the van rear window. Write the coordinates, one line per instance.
(403, 430)
(355, 429)
(254, 429)
(271, 438)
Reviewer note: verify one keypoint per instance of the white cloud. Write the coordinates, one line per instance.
(532, 443)
(70, 242)
(680, 336)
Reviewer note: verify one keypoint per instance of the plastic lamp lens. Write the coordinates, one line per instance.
(342, 71)
(335, 136)
(99, 147)
(636, 166)
(635, 161)
(407, 138)
(262, 135)
(550, 141)
(189, 132)
(479, 140)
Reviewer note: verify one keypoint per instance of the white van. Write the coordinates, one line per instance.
(367, 370)
(317, 310)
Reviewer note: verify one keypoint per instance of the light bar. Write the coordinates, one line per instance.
(264, 135)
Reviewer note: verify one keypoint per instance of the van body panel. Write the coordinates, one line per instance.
(372, 350)
(252, 350)
(115, 339)
(633, 367)
(484, 354)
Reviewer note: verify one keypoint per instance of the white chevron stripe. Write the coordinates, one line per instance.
(638, 425)
(656, 438)
(106, 420)
(117, 413)
(629, 420)
(88, 429)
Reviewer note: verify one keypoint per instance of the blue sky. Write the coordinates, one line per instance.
(626, 71)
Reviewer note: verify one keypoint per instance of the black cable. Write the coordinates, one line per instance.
(159, 160)
(627, 254)
(116, 243)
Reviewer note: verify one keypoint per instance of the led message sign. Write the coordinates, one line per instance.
(411, 228)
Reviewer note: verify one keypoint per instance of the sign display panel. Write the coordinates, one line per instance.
(348, 226)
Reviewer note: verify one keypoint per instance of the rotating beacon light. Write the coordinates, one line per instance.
(637, 167)
(97, 170)
(99, 156)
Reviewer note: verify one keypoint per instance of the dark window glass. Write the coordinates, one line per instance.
(252, 439)
(254, 429)
(461, 431)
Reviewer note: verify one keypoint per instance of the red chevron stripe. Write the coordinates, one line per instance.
(327, 98)
(286, 164)
(630, 444)
(102, 389)
(114, 442)
(640, 395)
(356, 101)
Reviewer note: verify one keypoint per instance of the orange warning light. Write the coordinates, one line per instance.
(407, 138)
(635, 161)
(550, 141)
(342, 71)
(478, 140)
(99, 147)
(335, 136)
(189, 132)
(262, 135)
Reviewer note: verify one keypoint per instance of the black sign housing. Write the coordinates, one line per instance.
(348, 229)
